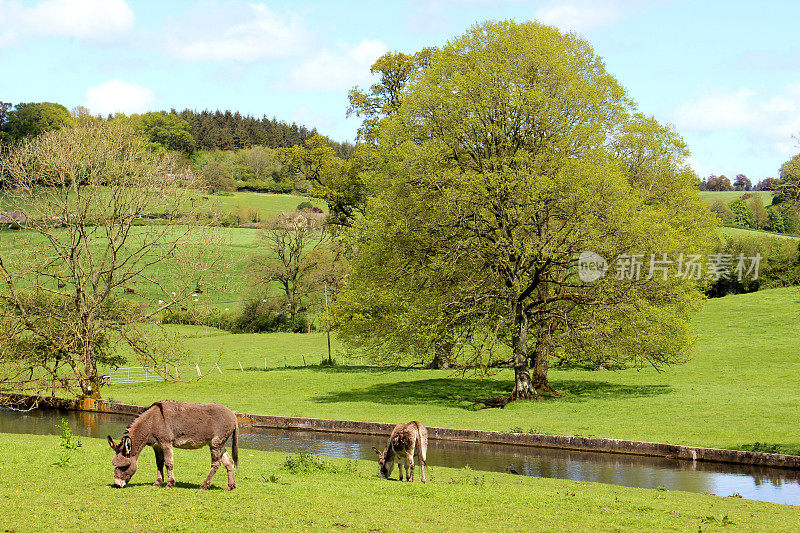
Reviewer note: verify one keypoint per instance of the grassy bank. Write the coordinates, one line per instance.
(709, 197)
(38, 495)
(741, 386)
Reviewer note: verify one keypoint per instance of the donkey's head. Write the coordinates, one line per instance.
(124, 462)
(386, 467)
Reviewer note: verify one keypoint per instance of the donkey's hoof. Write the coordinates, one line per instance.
(157, 484)
(204, 486)
(231, 487)
(170, 484)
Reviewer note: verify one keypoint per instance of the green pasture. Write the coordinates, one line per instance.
(248, 204)
(244, 204)
(738, 233)
(227, 286)
(728, 196)
(43, 488)
(741, 386)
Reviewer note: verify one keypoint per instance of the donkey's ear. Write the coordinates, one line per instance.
(126, 441)
(111, 443)
(376, 450)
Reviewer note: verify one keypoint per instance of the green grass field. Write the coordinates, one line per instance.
(38, 495)
(728, 196)
(741, 386)
(751, 233)
(266, 204)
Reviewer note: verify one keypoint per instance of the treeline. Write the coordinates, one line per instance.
(233, 131)
(186, 131)
(740, 183)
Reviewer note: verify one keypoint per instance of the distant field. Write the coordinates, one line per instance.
(263, 205)
(751, 233)
(266, 204)
(228, 285)
(728, 196)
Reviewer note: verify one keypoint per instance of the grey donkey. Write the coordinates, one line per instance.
(166, 425)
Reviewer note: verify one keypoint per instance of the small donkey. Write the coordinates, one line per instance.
(400, 449)
(168, 424)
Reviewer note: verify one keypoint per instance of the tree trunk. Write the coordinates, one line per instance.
(441, 356)
(541, 359)
(90, 382)
(523, 386)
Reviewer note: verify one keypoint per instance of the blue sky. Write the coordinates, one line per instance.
(725, 74)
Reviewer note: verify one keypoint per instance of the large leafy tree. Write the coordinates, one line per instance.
(383, 98)
(164, 130)
(509, 155)
(335, 180)
(30, 119)
(788, 185)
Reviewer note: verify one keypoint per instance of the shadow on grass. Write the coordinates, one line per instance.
(581, 390)
(467, 393)
(178, 485)
(328, 369)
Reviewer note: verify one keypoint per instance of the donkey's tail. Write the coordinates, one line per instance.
(235, 444)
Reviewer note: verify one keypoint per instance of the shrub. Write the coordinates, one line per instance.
(723, 212)
(214, 318)
(306, 463)
(779, 265)
(256, 317)
(743, 214)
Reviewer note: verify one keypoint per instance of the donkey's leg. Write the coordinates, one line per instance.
(216, 459)
(422, 452)
(410, 461)
(159, 466)
(168, 461)
(228, 462)
(399, 462)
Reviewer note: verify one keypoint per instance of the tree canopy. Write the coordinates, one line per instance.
(510, 155)
(30, 119)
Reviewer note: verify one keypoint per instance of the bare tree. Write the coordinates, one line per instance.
(87, 193)
(293, 241)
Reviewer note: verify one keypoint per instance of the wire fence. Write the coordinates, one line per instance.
(134, 374)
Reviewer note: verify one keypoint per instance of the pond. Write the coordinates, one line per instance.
(765, 484)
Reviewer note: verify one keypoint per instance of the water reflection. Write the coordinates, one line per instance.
(758, 483)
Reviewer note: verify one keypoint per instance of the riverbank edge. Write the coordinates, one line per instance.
(560, 442)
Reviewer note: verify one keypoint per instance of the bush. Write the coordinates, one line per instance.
(214, 318)
(256, 317)
(306, 463)
(743, 214)
(264, 186)
(779, 265)
(723, 212)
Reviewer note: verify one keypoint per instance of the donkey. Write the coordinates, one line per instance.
(168, 424)
(400, 449)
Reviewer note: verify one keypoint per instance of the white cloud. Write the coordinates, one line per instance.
(579, 16)
(741, 130)
(236, 32)
(761, 117)
(338, 70)
(90, 20)
(117, 96)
